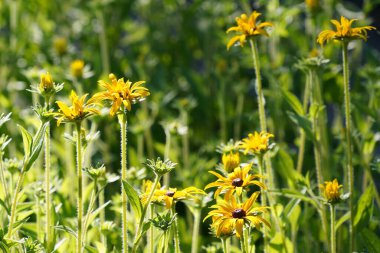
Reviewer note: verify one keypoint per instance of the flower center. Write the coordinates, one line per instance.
(237, 182)
(238, 213)
(169, 193)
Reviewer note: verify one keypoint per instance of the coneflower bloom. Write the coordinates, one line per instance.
(78, 111)
(239, 179)
(247, 27)
(121, 93)
(228, 213)
(169, 196)
(344, 31)
(256, 143)
(230, 161)
(331, 190)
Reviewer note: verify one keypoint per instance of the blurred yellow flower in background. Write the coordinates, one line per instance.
(230, 161)
(78, 111)
(344, 31)
(247, 27)
(60, 45)
(46, 83)
(121, 93)
(76, 68)
(256, 143)
(235, 181)
(228, 213)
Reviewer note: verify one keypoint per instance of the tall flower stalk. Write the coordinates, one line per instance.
(122, 94)
(344, 34)
(80, 186)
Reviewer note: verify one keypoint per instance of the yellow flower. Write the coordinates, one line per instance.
(312, 4)
(228, 213)
(230, 161)
(331, 190)
(168, 196)
(78, 111)
(247, 28)
(46, 84)
(235, 181)
(344, 31)
(60, 45)
(121, 93)
(256, 143)
(77, 68)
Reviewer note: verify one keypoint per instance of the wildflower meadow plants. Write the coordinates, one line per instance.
(246, 135)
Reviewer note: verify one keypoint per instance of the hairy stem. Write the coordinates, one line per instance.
(14, 204)
(196, 225)
(332, 228)
(47, 188)
(80, 187)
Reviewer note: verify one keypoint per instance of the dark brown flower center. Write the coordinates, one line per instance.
(169, 193)
(238, 213)
(237, 182)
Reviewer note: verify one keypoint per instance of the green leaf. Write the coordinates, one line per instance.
(364, 209)
(66, 229)
(277, 244)
(91, 249)
(133, 198)
(293, 101)
(97, 211)
(6, 208)
(372, 241)
(37, 144)
(285, 166)
(27, 141)
(342, 220)
(303, 123)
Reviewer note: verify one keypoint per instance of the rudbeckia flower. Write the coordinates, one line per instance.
(229, 214)
(230, 161)
(331, 190)
(247, 27)
(78, 111)
(256, 143)
(344, 31)
(235, 181)
(169, 196)
(121, 94)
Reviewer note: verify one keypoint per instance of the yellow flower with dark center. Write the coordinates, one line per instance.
(78, 111)
(256, 143)
(344, 31)
(46, 83)
(228, 213)
(331, 190)
(248, 28)
(235, 181)
(77, 67)
(121, 93)
(230, 161)
(169, 196)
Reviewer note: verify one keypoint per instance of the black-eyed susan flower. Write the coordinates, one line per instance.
(79, 110)
(228, 213)
(256, 143)
(122, 94)
(169, 196)
(230, 161)
(344, 31)
(239, 179)
(331, 191)
(76, 68)
(248, 28)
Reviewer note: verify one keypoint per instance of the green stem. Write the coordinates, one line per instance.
(14, 203)
(89, 211)
(47, 187)
(123, 132)
(103, 43)
(225, 247)
(177, 248)
(243, 243)
(167, 154)
(143, 213)
(151, 232)
(80, 187)
(332, 228)
(38, 218)
(196, 225)
(350, 169)
(102, 216)
(263, 202)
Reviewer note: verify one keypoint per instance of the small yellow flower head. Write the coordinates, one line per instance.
(248, 28)
(312, 5)
(60, 45)
(78, 111)
(256, 143)
(229, 214)
(46, 84)
(230, 161)
(77, 67)
(122, 94)
(331, 191)
(344, 31)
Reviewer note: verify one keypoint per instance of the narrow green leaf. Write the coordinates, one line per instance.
(37, 144)
(66, 229)
(302, 122)
(342, 220)
(364, 209)
(133, 198)
(97, 211)
(293, 101)
(27, 141)
(145, 228)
